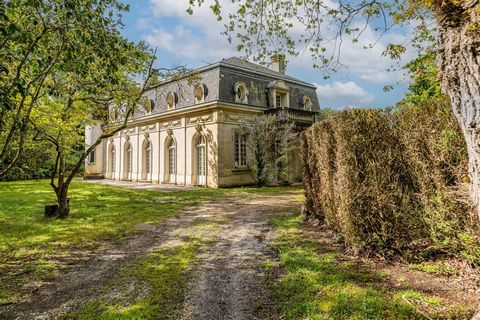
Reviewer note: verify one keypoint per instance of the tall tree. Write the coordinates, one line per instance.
(266, 26)
(37, 39)
(269, 141)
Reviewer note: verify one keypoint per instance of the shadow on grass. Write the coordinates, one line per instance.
(317, 284)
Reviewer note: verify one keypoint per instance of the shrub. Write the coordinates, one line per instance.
(391, 181)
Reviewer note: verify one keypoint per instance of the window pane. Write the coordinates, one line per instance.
(92, 157)
(243, 151)
(236, 148)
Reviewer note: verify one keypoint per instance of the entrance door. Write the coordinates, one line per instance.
(201, 161)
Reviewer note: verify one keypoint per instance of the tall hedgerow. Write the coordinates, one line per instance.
(392, 181)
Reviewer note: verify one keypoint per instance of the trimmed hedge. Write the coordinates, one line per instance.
(391, 181)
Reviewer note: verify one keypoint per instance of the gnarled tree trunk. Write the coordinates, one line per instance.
(459, 61)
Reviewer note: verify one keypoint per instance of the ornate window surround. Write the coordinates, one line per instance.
(200, 92)
(241, 92)
(279, 88)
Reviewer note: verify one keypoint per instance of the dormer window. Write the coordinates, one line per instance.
(148, 105)
(172, 99)
(278, 100)
(200, 93)
(113, 114)
(241, 92)
(279, 94)
(307, 103)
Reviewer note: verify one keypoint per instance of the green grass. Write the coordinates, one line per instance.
(434, 268)
(315, 284)
(166, 273)
(33, 248)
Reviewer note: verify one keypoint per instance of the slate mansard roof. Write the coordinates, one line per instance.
(219, 80)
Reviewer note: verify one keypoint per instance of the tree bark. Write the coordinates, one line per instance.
(459, 61)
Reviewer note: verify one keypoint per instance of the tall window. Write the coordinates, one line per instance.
(112, 161)
(172, 160)
(148, 157)
(91, 157)
(128, 160)
(278, 100)
(201, 160)
(240, 150)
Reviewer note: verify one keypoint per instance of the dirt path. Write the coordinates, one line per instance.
(227, 282)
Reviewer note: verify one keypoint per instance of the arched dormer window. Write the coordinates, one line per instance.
(148, 105)
(241, 92)
(200, 92)
(113, 114)
(307, 103)
(279, 94)
(172, 99)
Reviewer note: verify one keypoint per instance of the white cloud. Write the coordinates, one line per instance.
(198, 38)
(341, 94)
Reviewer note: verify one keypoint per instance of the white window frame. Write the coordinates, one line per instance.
(240, 150)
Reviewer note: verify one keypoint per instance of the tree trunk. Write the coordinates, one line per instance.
(63, 203)
(459, 62)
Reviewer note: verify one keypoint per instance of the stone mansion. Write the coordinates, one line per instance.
(189, 133)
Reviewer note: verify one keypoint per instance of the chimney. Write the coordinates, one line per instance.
(278, 63)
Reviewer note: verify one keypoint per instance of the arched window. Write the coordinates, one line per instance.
(148, 105)
(172, 161)
(147, 159)
(241, 92)
(307, 103)
(127, 165)
(112, 161)
(201, 160)
(200, 93)
(172, 99)
(240, 150)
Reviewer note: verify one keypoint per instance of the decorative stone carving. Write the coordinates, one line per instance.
(169, 132)
(200, 119)
(171, 124)
(198, 128)
(238, 118)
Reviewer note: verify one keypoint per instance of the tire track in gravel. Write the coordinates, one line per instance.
(227, 281)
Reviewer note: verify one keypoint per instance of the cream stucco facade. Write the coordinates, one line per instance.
(197, 142)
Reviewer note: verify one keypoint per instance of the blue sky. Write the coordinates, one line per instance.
(195, 40)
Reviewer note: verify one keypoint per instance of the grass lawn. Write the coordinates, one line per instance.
(166, 272)
(316, 283)
(33, 248)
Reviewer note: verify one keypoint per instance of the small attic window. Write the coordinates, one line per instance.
(172, 99)
(200, 93)
(113, 114)
(279, 94)
(147, 105)
(307, 103)
(241, 92)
